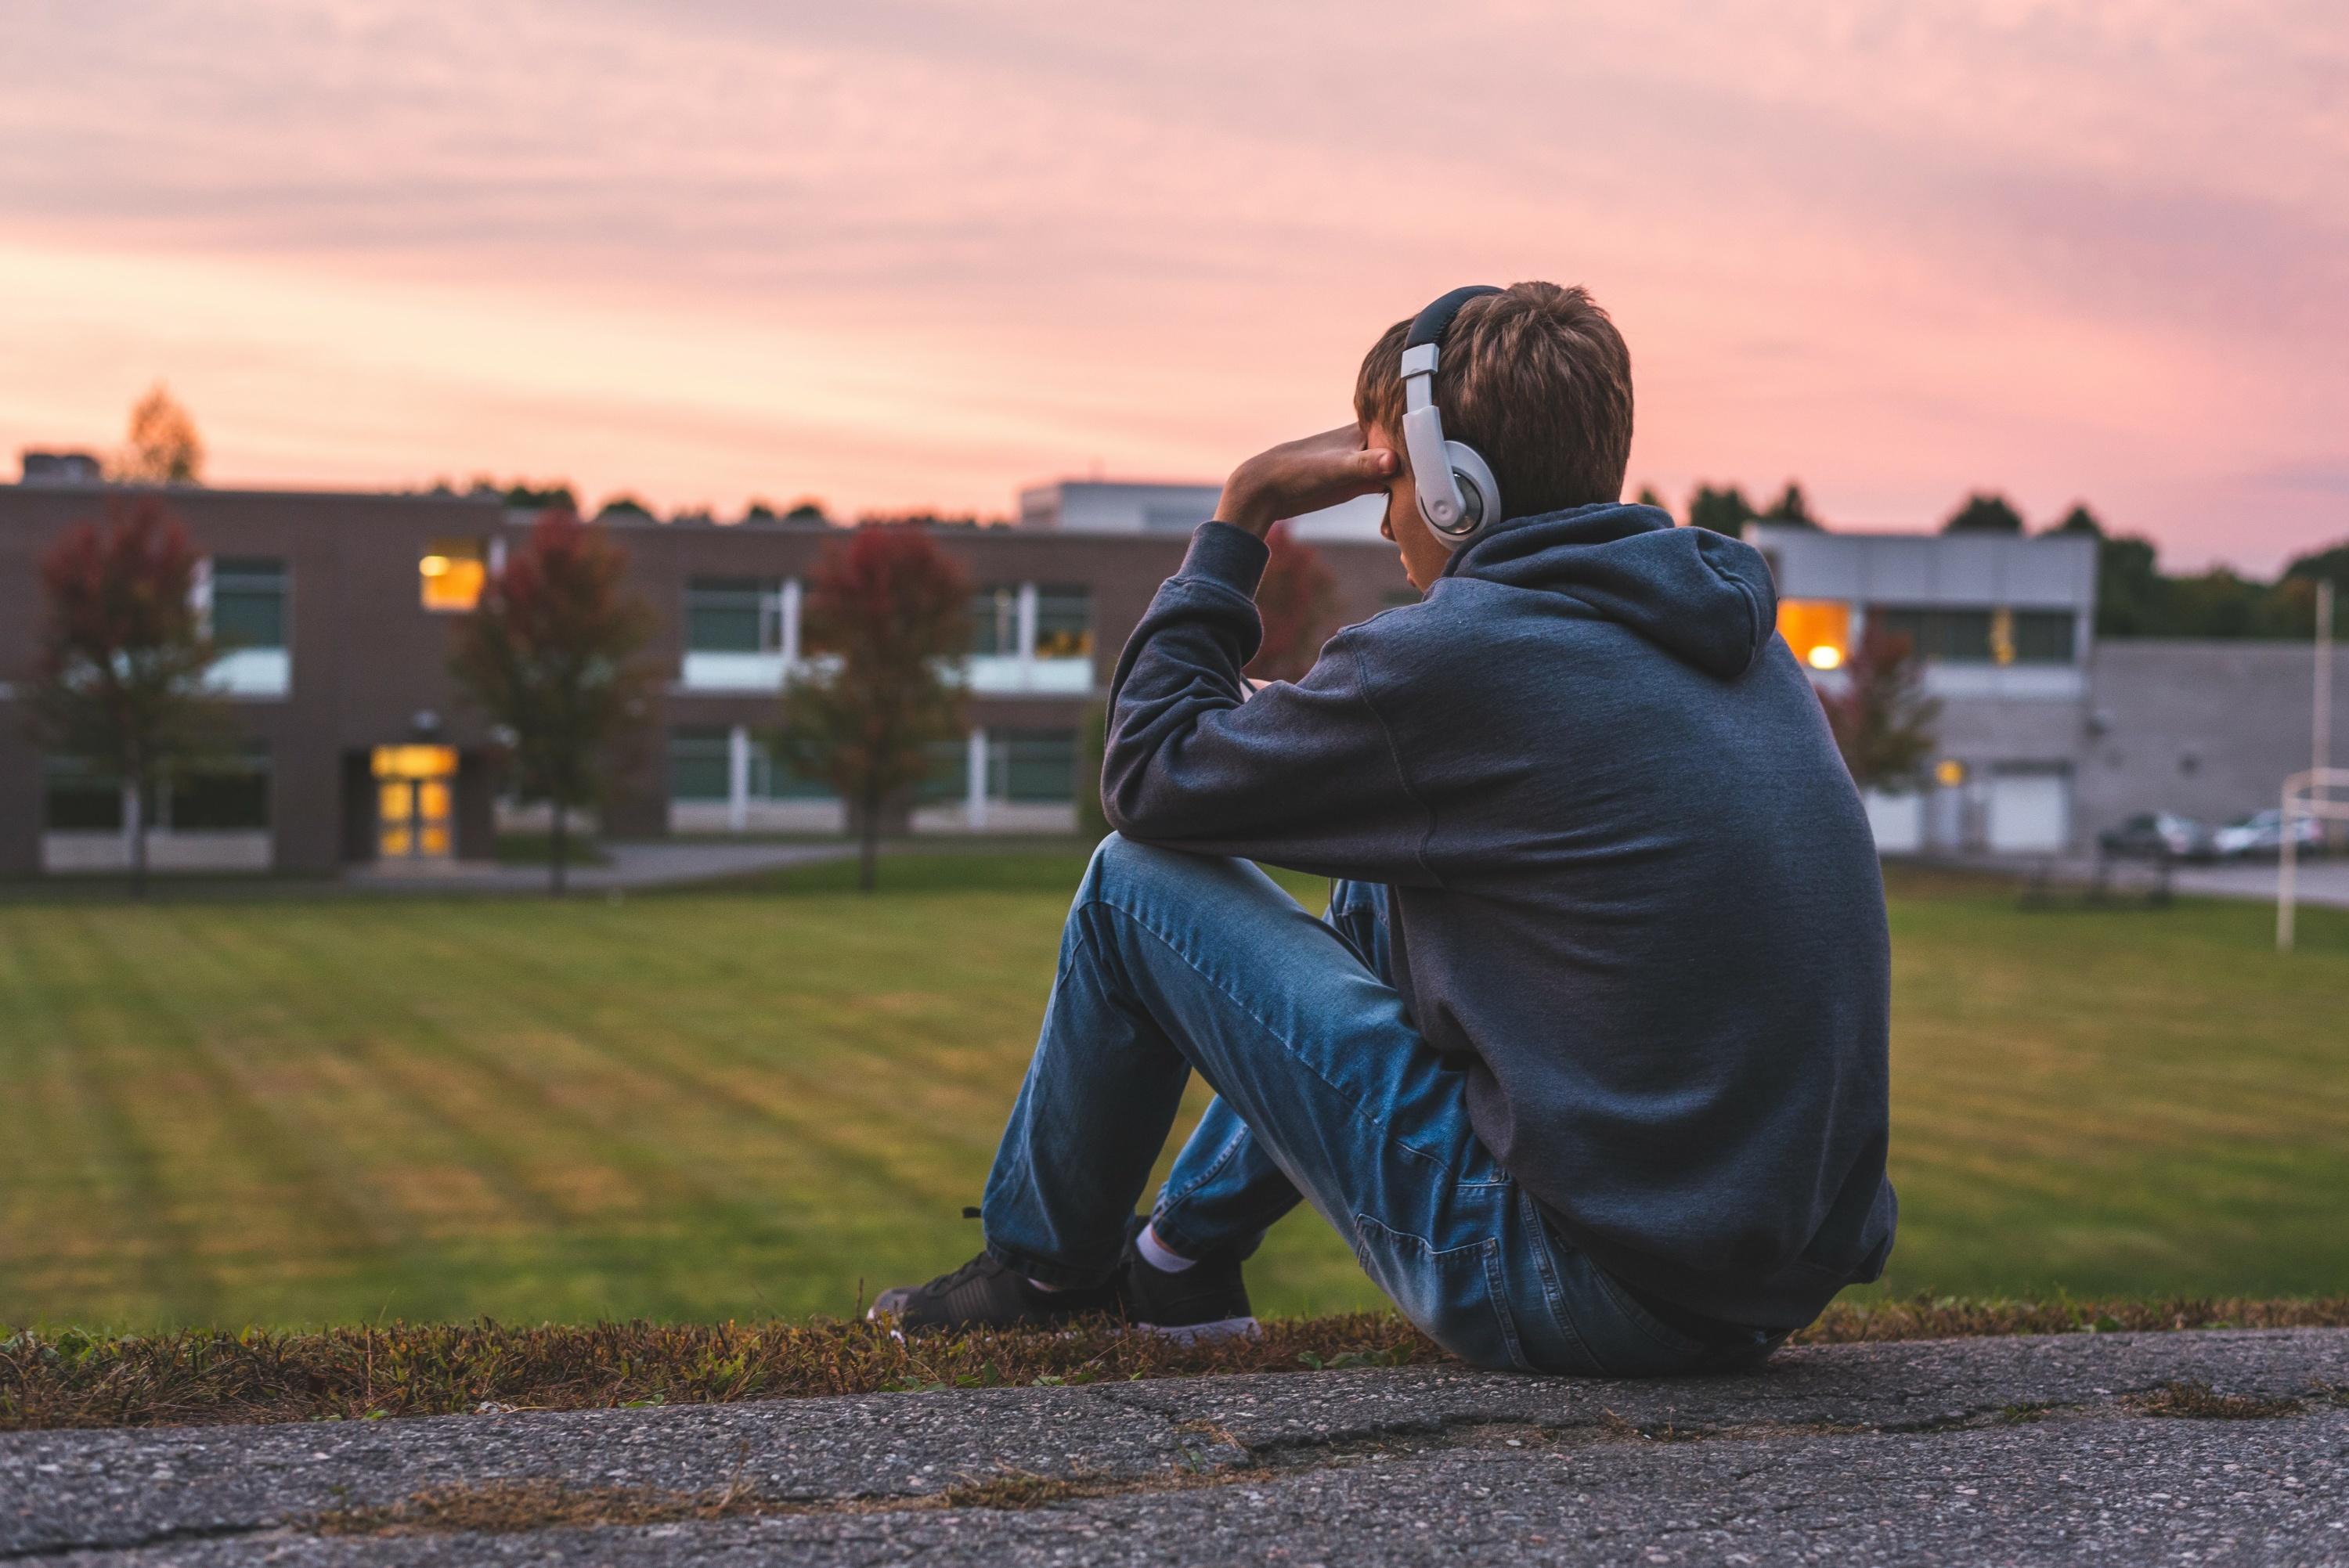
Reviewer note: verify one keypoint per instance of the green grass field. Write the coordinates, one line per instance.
(303, 1109)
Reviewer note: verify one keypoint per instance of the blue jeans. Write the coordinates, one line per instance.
(1324, 1090)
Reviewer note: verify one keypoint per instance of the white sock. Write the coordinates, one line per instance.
(1153, 1252)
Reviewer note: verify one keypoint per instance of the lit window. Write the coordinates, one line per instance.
(451, 573)
(1064, 622)
(1818, 630)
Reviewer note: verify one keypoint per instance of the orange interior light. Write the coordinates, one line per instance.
(1818, 630)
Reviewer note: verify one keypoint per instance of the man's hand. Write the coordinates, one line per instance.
(1298, 477)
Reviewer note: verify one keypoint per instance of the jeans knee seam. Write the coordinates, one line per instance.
(1224, 1156)
(1353, 1105)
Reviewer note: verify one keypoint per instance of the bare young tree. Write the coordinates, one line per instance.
(121, 683)
(163, 447)
(887, 611)
(549, 654)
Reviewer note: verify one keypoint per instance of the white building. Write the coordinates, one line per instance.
(1123, 506)
(2005, 625)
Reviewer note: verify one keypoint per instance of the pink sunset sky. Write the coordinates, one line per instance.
(897, 255)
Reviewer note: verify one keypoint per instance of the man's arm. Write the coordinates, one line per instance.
(1303, 774)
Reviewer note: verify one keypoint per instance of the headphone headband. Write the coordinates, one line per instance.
(1430, 324)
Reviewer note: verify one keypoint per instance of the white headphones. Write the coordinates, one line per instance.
(1457, 494)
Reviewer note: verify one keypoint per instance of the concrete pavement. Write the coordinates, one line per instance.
(2206, 1448)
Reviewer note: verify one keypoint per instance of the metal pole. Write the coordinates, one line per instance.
(2320, 732)
(2287, 870)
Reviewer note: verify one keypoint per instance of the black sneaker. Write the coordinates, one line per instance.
(983, 1293)
(1206, 1301)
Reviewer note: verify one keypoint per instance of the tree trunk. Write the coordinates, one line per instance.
(134, 820)
(558, 848)
(868, 843)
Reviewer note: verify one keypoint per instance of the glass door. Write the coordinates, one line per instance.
(415, 801)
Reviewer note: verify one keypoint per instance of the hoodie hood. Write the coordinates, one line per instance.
(1702, 597)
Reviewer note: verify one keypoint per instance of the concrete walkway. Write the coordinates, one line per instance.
(2321, 881)
(2216, 1447)
(637, 865)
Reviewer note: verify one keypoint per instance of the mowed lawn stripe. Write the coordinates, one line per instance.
(556, 1118)
(775, 1100)
(70, 1151)
(2097, 1099)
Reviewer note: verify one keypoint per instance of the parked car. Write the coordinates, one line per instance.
(2260, 836)
(2159, 836)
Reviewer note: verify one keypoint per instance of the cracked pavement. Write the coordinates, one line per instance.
(2006, 1450)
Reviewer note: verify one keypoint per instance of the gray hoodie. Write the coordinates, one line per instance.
(1633, 888)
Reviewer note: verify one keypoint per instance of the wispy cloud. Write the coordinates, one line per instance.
(907, 252)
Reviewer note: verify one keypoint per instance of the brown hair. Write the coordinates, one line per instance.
(1537, 379)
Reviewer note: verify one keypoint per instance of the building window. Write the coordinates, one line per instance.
(1818, 630)
(1032, 766)
(1982, 636)
(248, 602)
(734, 616)
(224, 794)
(698, 765)
(231, 795)
(772, 778)
(2044, 636)
(1064, 622)
(451, 573)
(701, 768)
(948, 778)
(994, 619)
(77, 798)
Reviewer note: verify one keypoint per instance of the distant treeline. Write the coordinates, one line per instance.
(2134, 598)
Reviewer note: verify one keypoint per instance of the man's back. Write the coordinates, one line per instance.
(1632, 880)
(1653, 913)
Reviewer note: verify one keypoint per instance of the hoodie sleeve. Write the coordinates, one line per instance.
(1303, 774)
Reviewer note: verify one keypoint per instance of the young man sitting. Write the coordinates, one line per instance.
(1588, 1058)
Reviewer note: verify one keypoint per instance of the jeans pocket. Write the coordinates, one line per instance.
(1455, 1295)
(1633, 1342)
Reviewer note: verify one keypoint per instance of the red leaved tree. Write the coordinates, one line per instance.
(1882, 720)
(1298, 603)
(120, 682)
(887, 613)
(549, 654)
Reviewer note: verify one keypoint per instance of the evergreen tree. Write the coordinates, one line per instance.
(1791, 507)
(1723, 511)
(1985, 512)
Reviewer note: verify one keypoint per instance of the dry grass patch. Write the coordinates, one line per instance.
(195, 1377)
(1943, 1317)
(2199, 1402)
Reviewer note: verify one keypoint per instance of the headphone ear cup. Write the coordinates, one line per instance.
(1478, 489)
